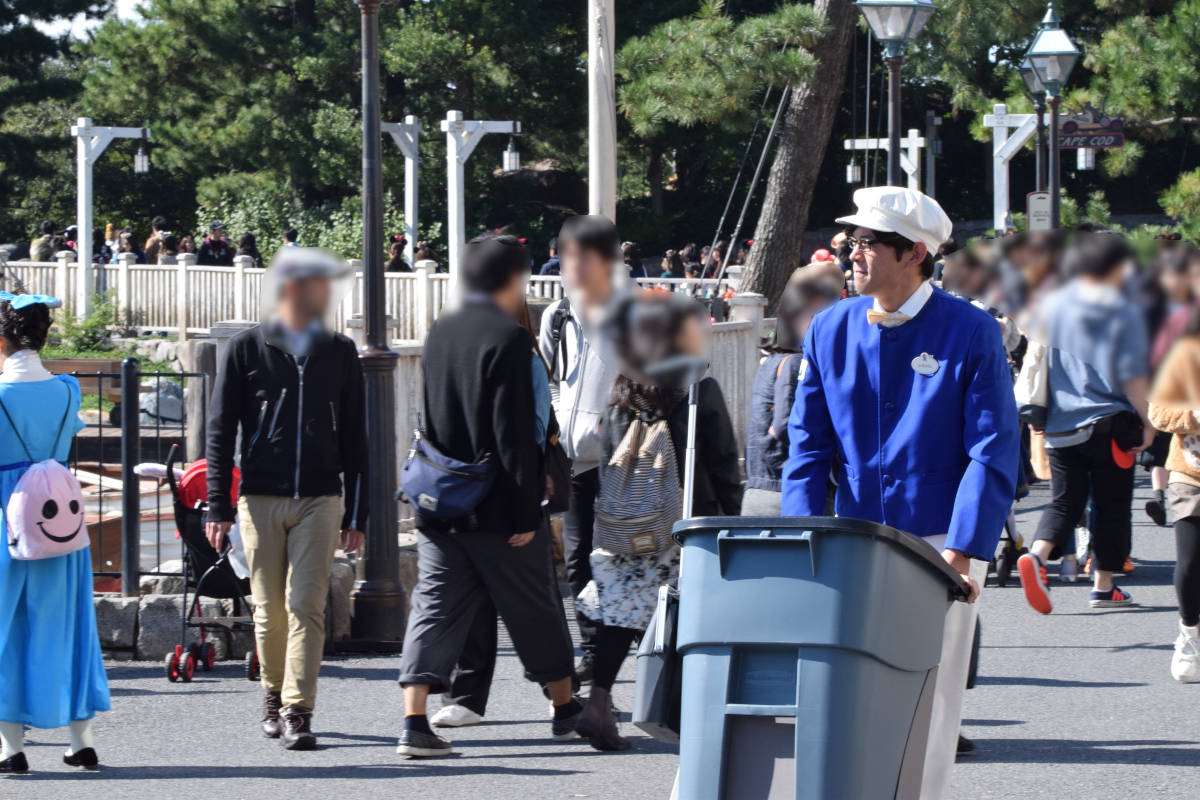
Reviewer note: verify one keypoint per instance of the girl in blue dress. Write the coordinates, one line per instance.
(51, 672)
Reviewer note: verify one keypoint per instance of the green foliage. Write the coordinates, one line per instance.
(91, 333)
(1183, 202)
(704, 68)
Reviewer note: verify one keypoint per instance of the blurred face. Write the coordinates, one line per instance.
(876, 267)
(586, 271)
(1194, 276)
(511, 297)
(692, 339)
(1176, 285)
(305, 300)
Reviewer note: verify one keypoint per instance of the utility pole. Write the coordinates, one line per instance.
(602, 111)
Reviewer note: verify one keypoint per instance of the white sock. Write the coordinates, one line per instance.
(81, 735)
(12, 736)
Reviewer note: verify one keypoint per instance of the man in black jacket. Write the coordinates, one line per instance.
(479, 400)
(296, 392)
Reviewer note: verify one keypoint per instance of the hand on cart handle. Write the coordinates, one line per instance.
(351, 540)
(962, 563)
(217, 532)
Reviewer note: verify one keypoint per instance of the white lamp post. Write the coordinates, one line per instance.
(462, 137)
(407, 135)
(90, 143)
(895, 23)
(1052, 57)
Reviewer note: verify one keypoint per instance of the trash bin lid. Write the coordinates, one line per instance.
(844, 525)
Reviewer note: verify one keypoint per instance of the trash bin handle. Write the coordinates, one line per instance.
(726, 538)
(665, 596)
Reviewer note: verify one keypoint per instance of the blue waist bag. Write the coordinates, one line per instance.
(441, 487)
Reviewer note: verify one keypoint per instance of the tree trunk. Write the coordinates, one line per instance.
(803, 141)
(654, 176)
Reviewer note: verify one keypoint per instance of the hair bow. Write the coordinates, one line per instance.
(19, 301)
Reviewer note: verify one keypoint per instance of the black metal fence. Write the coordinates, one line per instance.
(123, 508)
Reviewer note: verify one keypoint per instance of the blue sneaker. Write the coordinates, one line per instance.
(1110, 598)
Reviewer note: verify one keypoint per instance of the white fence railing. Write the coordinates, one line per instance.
(190, 298)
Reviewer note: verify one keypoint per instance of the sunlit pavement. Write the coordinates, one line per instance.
(1076, 705)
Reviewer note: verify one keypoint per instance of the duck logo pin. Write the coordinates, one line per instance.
(925, 364)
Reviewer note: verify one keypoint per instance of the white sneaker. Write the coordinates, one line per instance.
(1185, 664)
(1083, 543)
(454, 716)
(1068, 569)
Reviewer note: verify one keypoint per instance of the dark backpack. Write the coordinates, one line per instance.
(558, 321)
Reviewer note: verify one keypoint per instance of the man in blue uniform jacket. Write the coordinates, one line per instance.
(911, 387)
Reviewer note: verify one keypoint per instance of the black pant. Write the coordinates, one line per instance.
(460, 574)
(577, 547)
(1187, 569)
(1077, 472)
(471, 681)
(612, 646)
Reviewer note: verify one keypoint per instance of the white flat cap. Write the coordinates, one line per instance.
(297, 263)
(892, 209)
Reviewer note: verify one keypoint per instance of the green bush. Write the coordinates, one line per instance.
(92, 332)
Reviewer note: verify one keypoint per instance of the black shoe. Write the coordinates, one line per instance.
(965, 745)
(1157, 512)
(85, 758)
(416, 744)
(272, 728)
(297, 732)
(15, 765)
(584, 669)
(563, 727)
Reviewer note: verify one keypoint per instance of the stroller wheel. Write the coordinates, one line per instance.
(171, 666)
(187, 670)
(208, 657)
(1004, 567)
(252, 667)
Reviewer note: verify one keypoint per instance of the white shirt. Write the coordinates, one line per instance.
(24, 366)
(915, 302)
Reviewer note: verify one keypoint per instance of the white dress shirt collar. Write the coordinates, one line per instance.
(24, 366)
(916, 301)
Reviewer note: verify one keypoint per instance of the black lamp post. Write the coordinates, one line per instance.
(1038, 92)
(378, 596)
(895, 23)
(1053, 56)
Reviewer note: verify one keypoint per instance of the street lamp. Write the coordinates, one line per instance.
(1052, 57)
(853, 171)
(141, 160)
(511, 160)
(378, 596)
(895, 23)
(1038, 92)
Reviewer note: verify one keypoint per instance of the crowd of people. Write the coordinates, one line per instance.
(1037, 357)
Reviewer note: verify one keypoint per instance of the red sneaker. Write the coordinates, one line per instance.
(1033, 580)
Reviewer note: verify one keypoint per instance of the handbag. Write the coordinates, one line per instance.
(441, 487)
(44, 515)
(558, 469)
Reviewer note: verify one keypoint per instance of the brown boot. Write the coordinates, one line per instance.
(271, 726)
(297, 731)
(597, 724)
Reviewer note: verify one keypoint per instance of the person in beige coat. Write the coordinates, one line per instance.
(1175, 408)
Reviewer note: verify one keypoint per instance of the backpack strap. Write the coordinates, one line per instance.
(557, 322)
(779, 369)
(62, 424)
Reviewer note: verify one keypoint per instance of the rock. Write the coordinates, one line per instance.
(158, 626)
(116, 621)
(164, 584)
(163, 403)
(337, 608)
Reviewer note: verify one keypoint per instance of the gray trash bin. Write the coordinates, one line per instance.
(809, 651)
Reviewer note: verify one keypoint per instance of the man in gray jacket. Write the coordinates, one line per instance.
(581, 382)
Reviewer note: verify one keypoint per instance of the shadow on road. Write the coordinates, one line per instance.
(1161, 752)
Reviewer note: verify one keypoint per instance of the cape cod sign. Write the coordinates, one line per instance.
(1092, 128)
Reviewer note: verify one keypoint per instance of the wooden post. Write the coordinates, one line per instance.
(424, 298)
(748, 307)
(125, 262)
(186, 261)
(62, 277)
(240, 265)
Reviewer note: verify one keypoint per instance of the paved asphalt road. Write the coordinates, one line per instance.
(1076, 705)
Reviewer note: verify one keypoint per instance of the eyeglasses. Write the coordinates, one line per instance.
(869, 244)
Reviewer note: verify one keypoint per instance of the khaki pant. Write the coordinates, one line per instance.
(289, 547)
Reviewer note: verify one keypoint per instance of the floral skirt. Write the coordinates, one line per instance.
(624, 589)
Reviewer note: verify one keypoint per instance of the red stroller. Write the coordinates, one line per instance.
(206, 573)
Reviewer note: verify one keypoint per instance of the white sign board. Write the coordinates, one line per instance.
(1037, 209)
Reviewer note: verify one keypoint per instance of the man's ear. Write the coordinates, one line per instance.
(919, 251)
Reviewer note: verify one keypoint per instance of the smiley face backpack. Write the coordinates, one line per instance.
(44, 515)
